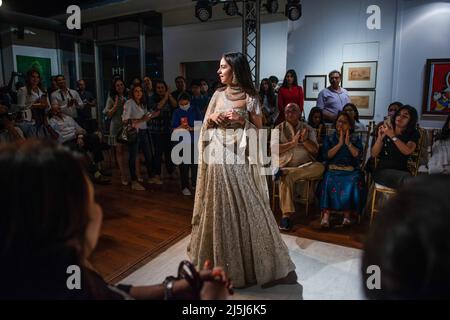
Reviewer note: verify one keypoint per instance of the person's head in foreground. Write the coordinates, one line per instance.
(410, 243)
(50, 221)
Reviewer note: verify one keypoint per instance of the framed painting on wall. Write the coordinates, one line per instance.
(436, 98)
(313, 85)
(42, 65)
(364, 100)
(359, 75)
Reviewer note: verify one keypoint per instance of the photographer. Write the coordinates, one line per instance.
(69, 100)
(8, 131)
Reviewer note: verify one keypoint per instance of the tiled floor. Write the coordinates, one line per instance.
(325, 271)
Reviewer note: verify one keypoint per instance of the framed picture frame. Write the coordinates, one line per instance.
(364, 100)
(436, 96)
(313, 84)
(359, 75)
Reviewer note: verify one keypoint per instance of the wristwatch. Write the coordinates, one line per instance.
(394, 138)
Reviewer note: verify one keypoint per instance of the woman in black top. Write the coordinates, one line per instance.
(49, 226)
(393, 147)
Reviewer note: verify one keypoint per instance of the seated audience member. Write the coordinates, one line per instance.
(290, 92)
(76, 138)
(332, 99)
(85, 113)
(297, 151)
(198, 100)
(392, 109)
(409, 243)
(69, 100)
(274, 83)
(53, 87)
(184, 118)
(205, 90)
(393, 146)
(33, 106)
(269, 103)
(315, 121)
(352, 110)
(440, 159)
(180, 83)
(56, 224)
(8, 131)
(343, 184)
(136, 113)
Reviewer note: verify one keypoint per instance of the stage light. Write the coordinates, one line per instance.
(272, 6)
(203, 10)
(231, 8)
(293, 10)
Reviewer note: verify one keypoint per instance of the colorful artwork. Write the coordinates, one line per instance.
(437, 87)
(42, 65)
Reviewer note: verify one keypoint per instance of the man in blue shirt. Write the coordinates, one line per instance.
(184, 118)
(199, 100)
(332, 99)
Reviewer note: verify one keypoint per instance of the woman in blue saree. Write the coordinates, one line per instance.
(343, 186)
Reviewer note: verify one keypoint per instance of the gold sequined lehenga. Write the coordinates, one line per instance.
(232, 224)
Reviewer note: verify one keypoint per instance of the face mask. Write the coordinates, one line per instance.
(186, 107)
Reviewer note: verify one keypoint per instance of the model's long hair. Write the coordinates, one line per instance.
(241, 68)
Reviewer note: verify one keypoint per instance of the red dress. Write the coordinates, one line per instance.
(286, 96)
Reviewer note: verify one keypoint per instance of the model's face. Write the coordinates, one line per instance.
(342, 124)
(120, 87)
(290, 78)
(335, 80)
(225, 72)
(95, 220)
(180, 84)
(160, 89)
(402, 119)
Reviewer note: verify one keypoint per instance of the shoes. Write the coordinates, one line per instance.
(285, 224)
(137, 186)
(346, 222)
(325, 223)
(186, 192)
(155, 180)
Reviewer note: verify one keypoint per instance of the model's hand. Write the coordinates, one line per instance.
(233, 116)
(218, 118)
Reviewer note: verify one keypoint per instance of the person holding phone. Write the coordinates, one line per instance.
(184, 118)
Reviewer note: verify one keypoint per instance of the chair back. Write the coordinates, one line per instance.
(414, 158)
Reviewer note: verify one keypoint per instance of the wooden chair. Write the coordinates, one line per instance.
(413, 167)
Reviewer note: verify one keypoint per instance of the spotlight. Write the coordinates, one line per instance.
(203, 10)
(231, 8)
(293, 10)
(272, 6)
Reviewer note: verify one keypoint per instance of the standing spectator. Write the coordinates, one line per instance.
(69, 100)
(34, 105)
(205, 88)
(135, 112)
(113, 111)
(352, 110)
(180, 83)
(274, 83)
(184, 118)
(89, 101)
(332, 99)
(148, 91)
(198, 100)
(269, 103)
(160, 129)
(290, 92)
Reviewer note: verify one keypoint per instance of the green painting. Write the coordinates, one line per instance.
(42, 65)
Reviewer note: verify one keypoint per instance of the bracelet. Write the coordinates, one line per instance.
(168, 287)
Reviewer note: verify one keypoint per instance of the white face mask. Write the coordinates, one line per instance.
(186, 107)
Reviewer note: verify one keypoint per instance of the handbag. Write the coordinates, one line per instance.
(127, 134)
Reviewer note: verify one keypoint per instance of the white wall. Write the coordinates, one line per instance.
(424, 33)
(208, 41)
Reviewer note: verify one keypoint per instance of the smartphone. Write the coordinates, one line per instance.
(388, 122)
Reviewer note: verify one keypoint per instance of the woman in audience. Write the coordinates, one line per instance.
(343, 185)
(392, 109)
(136, 114)
(409, 244)
(315, 120)
(396, 141)
(352, 110)
(160, 130)
(113, 111)
(46, 240)
(33, 101)
(289, 92)
(440, 159)
(269, 103)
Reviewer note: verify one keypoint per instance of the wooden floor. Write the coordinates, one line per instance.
(137, 226)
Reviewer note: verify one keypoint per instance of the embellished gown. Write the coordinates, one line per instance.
(232, 224)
